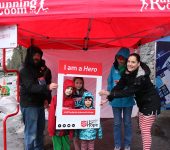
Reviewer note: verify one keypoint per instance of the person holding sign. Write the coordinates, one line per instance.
(61, 138)
(88, 136)
(121, 105)
(136, 82)
(32, 97)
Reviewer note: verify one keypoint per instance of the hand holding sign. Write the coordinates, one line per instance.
(86, 110)
(104, 92)
(52, 86)
(103, 102)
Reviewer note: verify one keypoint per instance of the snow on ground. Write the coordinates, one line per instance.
(15, 130)
(160, 136)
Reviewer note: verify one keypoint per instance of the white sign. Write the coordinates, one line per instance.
(8, 36)
(83, 117)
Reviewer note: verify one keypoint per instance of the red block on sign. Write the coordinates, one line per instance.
(78, 112)
(83, 123)
(83, 68)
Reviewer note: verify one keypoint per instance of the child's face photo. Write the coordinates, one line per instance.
(78, 84)
(88, 101)
(68, 91)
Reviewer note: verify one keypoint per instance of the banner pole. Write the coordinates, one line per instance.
(17, 110)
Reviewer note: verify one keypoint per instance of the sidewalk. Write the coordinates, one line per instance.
(160, 138)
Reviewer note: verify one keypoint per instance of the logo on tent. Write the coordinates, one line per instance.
(155, 5)
(22, 7)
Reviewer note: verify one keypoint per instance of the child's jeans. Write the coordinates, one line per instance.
(76, 143)
(87, 144)
(117, 112)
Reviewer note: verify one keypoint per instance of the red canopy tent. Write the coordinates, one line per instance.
(87, 24)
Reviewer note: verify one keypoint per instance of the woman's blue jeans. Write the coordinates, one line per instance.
(117, 112)
(34, 121)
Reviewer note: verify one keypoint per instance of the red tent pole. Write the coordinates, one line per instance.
(15, 113)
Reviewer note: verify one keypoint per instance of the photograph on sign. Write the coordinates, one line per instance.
(78, 101)
(83, 98)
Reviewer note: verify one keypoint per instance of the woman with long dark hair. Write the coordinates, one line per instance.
(136, 82)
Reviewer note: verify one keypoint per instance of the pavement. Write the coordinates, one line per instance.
(160, 134)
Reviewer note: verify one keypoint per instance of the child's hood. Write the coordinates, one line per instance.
(87, 94)
(68, 101)
(123, 52)
(68, 83)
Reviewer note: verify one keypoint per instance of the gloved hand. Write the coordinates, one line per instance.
(110, 97)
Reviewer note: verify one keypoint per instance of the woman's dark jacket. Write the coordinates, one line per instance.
(139, 85)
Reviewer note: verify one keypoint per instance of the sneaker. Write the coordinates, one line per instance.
(127, 148)
(117, 148)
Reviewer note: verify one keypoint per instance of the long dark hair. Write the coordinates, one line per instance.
(82, 90)
(81, 78)
(135, 55)
(142, 64)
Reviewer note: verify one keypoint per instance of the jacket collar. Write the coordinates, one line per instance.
(143, 70)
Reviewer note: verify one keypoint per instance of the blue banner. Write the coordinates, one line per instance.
(163, 73)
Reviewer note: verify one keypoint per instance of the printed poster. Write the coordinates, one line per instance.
(163, 73)
(79, 118)
(8, 36)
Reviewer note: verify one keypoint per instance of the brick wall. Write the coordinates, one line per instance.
(147, 53)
